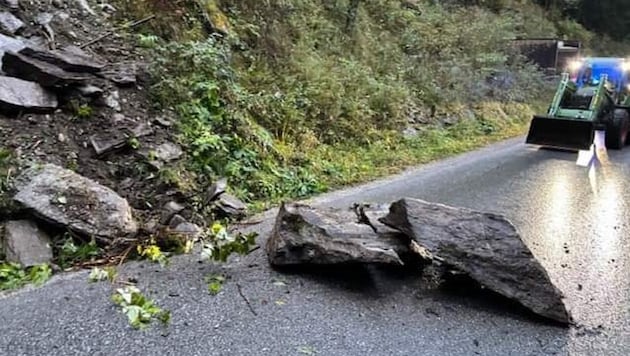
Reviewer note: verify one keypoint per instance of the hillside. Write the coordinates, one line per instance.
(275, 100)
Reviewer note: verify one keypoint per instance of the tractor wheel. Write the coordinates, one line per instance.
(617, 130)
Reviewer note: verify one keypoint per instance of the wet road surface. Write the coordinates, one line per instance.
(574, 220)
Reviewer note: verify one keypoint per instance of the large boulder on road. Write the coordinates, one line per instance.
(303, 235)
(65, 198)
(485, 246)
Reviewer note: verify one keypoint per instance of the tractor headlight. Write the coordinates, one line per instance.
(625, 66)
(575, 65)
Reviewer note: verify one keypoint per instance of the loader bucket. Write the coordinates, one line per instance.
(561, 133)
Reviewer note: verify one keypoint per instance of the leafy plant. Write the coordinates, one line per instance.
(153, 252)
(71, 253)
(140, 310)
(219, 245)
(13, 276)
(97, 274)
(215, 283)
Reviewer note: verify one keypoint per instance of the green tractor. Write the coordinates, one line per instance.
(593, 96)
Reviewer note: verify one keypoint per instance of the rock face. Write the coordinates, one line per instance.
(68, 199)
(304, 235)
(485, 246)
(26, 244)
(17, 94)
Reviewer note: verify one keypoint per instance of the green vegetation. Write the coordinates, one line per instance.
(292, 98)
(6, 175)
(140, 310)
(69, 253)
(14, 276)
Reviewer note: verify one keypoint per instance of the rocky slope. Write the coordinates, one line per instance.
(73, 98)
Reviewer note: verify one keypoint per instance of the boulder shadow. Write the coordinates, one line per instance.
(463, 290)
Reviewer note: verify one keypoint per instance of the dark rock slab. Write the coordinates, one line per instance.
(486, 247)
(46, 74)
(103, 143)
(9, 23)
(67, 199)
(71, 59)
(230, 206)
(303, 235)
(26, 244)
(17, 95)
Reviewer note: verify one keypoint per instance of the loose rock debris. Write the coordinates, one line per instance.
(483, 246)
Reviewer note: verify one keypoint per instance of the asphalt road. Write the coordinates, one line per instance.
(574, 222)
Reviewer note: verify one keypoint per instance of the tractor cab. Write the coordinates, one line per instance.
(588, 73)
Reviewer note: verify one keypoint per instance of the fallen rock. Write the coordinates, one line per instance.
(168, 152)
(485, 246)
(10, 44)
(71, 59)
(215, 190)
(90, 91)
(19, 95)
(169, 210)
(46, 74)
(65, 198)
(230, 206)
(9, 23)
(188, 229)
(164, 153)
(107, 143)
(112, 101)
(176, 220)
(26, 244)
(303, 235)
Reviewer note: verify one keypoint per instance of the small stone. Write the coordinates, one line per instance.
(231, 206)
(169, 210)
(216, 189)
(112, 101)
(26, 244)
(163, 121)
(9, 23)
(191, 230)
(61, 138)
(90, 91)
(176, 220)
(106, 143)
(44, 18)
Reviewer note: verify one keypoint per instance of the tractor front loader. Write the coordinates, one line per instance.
(596, 99)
